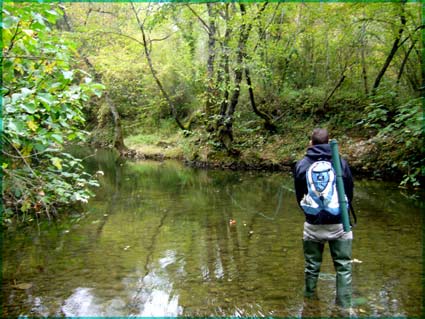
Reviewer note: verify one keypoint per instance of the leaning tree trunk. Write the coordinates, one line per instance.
(406, 57)
(268, 123)
(118, 141)
(154, 73)
(118, 136)
(336, 87)
(392, 52)
(268, 120)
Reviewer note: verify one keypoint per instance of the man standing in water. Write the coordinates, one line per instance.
(324, 225)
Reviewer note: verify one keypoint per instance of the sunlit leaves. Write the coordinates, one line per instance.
(296, 54)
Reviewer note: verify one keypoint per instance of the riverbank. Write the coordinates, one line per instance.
(273, 153)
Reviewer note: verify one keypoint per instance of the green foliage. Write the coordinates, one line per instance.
(43, 98)
(407, 132)
(402, 137)
(310, 64)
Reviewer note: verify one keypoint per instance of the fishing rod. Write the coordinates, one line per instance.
(279, 205)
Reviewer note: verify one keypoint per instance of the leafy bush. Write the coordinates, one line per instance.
(402, 136)
(42, 110)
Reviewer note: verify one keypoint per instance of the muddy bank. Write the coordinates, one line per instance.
(362, 156)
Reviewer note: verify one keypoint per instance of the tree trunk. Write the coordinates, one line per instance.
(363, 59)
(211, 59)
(154, 73)
(392, 52)
(118, 136)
(268, 124)
(341, 80)
(406, 57)
(226, 132)
(118, 141)
(224, 76)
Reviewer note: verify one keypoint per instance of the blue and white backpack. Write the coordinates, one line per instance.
(322, 194)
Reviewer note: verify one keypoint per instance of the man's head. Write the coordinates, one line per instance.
(319, 136)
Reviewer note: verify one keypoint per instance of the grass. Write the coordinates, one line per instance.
(156, 144)
(256, 147)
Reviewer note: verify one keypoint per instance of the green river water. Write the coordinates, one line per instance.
(158, 240)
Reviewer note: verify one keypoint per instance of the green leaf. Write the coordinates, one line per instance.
(25, 206)
(28, 107)
(15, 126)
(57, 162)
(68, 75)
(9, 21)
(58, 138)
(46, 99)
(38, 17)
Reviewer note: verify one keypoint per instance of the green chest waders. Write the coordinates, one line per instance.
(313, 252)
(340, 249)
(341, 256)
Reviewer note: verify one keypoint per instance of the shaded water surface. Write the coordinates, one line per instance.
(162, 239)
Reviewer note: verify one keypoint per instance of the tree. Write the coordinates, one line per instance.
(394, 48)
(147, 52)
(239, 71)
(118, 141)
(43, 96)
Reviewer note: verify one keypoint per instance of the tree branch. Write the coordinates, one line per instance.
(163, 38)
(22, 157)
(199, 18)
(30, 57)
(12, 40)
(122, 35)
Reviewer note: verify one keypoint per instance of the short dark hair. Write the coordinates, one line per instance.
(319, 136)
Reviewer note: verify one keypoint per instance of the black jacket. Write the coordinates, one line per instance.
(321, 152)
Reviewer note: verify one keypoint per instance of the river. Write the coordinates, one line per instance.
(162, 239)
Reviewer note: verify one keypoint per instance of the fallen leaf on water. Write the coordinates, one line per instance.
(23, 286)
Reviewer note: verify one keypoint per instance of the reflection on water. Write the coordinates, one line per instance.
(149, 295)
(164, 240)
(81, 303)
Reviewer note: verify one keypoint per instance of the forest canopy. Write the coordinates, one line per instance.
(238, 76)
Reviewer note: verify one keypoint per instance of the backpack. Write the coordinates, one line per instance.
(322, 194)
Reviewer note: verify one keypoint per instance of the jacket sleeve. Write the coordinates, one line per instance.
(300, 181)
(348, 181)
